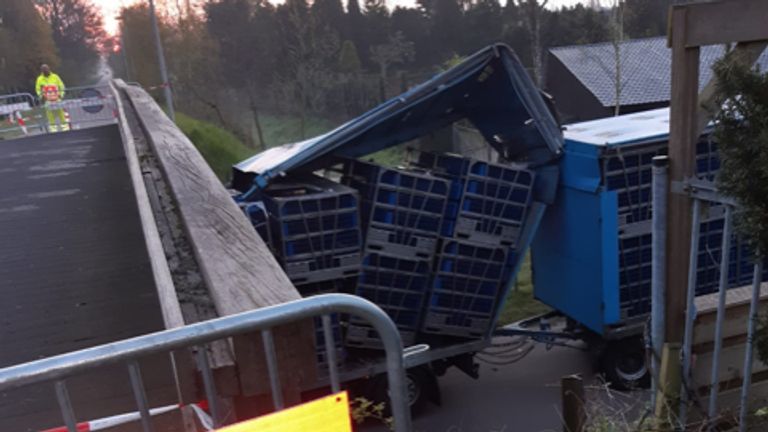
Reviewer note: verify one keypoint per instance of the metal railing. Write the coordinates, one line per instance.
(58, 368)
(702, 193)
(23, 114)
(15, 113)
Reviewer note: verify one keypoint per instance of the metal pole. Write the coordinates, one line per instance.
(690, 311)
(747, 382)
(724, 261)
(658, 267)
(161, 63)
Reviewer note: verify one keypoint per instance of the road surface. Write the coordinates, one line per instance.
(522, 397)
(74, 270)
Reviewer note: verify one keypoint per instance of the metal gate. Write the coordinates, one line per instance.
(57, 369)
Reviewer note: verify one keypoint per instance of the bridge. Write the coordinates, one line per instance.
(118, 228)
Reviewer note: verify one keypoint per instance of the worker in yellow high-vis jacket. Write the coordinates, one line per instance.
(50, 90)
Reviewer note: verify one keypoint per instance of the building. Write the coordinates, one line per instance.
(582, 78)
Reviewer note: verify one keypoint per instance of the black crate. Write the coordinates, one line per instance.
(466, 289)
(399, 286)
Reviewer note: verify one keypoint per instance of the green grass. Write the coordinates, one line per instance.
(220, 148)
(520, 303)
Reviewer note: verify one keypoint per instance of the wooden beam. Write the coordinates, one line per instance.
(721, 22)
(166, 291)
(239, 271)
(683, 135)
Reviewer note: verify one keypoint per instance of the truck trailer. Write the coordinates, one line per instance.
(438, 242)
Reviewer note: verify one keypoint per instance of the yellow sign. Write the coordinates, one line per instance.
(329, 414)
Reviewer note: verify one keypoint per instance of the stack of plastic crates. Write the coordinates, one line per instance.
(465, 289)
(628, 172)
(402, 212)
(484, 218)
(312, 226)
(315, 229)
(488, 202)
(346, 286)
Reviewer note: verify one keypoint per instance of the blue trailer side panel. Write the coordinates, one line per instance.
(567, 259)
(610, 257)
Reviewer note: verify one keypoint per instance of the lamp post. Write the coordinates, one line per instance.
(161, 63)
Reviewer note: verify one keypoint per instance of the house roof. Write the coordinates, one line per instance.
(645, 69)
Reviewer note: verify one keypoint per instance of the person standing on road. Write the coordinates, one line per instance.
(50, 90)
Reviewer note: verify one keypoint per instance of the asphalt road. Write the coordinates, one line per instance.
(74, 271)
(521, 397)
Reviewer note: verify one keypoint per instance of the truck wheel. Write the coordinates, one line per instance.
(623, 363)
(420, 387)
(419, 383)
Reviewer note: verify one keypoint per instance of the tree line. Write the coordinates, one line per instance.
(232, 61)
(66, 34)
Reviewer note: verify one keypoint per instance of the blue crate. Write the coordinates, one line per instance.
(323, 267)
(488, 202)
(346, 285)
(257, 214)
(399, 286)
(402, 211)
(466, 289)
(450, 165)
(315, 228)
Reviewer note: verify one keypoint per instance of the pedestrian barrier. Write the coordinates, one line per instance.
(59, 368)
(18, 117)
(23, 114)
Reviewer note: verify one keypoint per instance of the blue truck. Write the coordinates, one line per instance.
(575, 198)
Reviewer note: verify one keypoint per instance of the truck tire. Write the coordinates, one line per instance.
(420, 385)
(623, 364)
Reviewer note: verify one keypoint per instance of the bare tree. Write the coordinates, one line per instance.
(617, 39)
(396, 50)
(532, 11)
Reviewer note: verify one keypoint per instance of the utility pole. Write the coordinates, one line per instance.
(161, 63)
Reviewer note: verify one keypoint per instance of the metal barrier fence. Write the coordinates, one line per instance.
(13, 109)
(23, 114)
(59, 368)
(702, 193)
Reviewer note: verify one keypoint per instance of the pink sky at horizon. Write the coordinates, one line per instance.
(111, 8)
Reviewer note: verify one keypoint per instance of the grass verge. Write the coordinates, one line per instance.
(220, 148)
(520, 303)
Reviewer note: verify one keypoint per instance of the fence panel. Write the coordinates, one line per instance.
(59, 368)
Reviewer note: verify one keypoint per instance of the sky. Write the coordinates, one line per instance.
(111, 8)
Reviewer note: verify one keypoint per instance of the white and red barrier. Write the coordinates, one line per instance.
(121, 419)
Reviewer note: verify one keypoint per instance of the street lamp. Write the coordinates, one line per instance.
(161, 63)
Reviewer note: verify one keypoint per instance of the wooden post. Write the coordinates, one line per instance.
(572, 394)
(682, 157)
(668, 398)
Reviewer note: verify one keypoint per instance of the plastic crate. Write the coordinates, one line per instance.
(315, 228)
(487, 202)
(629, 173)
(466, 289)
(324, 267)
(494, 204)
(402, 211)
(257, 214)
(326, 287)
(396, 284)
(635, 257)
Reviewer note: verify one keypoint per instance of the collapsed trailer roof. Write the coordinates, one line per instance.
(490, 88)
